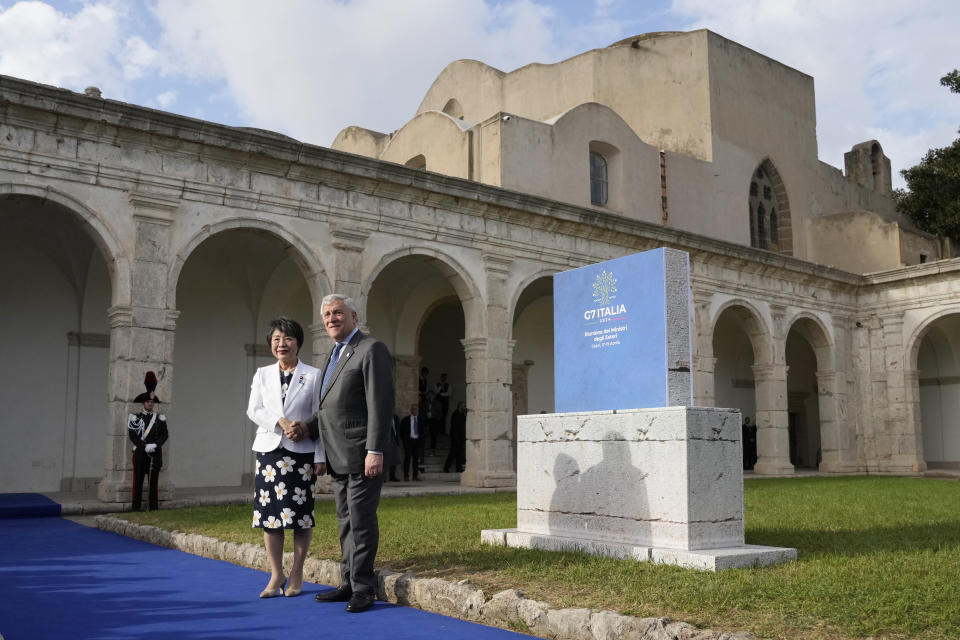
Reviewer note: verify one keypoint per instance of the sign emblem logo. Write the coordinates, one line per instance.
(604, 288)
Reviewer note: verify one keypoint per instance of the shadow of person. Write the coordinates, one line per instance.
(565, 502)
(608, 501)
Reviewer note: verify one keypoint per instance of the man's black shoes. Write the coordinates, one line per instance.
(340, 594)
(360, 602)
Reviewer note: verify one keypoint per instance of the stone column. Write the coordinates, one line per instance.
(704, 363)
(519, 392)
(899, 443)
(831, 454)
(704, 372)
(406, 379)
(349, 244)
(773, 439)
(141, 340)
(489, 366)
(913, 419)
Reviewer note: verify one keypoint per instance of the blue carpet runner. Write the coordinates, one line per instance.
(27, 505)
(60, 579)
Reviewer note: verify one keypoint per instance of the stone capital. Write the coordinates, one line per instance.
(120, 316)
(473, 347)
(826, 377)
(152, 207)
(768, 373)
(349, 239)
(497, 265)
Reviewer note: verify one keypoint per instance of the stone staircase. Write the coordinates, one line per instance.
(433, 462)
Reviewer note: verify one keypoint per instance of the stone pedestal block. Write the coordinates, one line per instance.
(663, 485)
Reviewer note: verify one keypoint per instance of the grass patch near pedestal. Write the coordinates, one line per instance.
(878, 557)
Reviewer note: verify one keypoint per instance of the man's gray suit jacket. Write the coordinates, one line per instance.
(356, 408)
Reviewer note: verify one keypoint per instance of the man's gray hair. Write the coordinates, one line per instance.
(333, 297)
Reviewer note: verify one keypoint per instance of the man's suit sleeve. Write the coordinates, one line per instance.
(378, 385)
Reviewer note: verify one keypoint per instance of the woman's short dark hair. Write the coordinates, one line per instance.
(287, 327)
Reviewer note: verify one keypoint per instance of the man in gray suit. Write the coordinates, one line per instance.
(354, 422)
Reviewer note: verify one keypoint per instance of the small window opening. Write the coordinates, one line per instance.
(598, 179)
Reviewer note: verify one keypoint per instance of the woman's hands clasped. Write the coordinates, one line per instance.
(296, 430)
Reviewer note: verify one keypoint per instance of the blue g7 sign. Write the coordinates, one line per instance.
(622, 333)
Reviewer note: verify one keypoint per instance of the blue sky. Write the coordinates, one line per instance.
(309, 68)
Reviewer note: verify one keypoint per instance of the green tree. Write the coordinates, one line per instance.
(932, 197)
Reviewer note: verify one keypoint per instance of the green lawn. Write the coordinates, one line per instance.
(878, 557)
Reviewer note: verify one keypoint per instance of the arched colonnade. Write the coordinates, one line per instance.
(192, 303)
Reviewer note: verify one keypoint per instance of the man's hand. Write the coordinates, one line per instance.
(150, 448)
(373, 465)
(319, 468)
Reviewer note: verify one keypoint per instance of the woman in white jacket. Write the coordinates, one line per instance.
(282, 397)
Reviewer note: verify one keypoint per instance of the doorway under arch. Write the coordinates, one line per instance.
(938, 362)
(229, 288)
(57, 282)
(803, 402)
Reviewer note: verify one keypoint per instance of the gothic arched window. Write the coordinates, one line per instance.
(769, 213)
(774, 230)
(761, 226)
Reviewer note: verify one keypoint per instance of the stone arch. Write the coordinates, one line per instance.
(921, 330)
(309, 264)
(530, 320)
(933, 380)
(816, 333)
(456, 274)
(522, 287)
(75, 267)
(765, 178)
(227, 281)
(118, 263)
(812, 424)
(754, 383)
(754, 326)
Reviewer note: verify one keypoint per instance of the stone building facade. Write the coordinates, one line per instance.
(139, 240)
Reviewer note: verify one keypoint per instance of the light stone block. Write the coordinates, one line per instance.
(663, 485)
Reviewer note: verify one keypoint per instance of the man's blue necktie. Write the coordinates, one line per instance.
(331, 366)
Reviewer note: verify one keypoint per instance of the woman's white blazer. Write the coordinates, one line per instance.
(266, 406)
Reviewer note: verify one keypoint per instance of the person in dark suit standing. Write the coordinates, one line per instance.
(354, 423)
(411, 432)
(148, 433)
(458, 439)
(391, 463)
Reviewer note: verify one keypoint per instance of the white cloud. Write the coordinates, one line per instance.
(39, 43)
(138, 58)
(309, 68)
(167, 98)
(876, 65)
